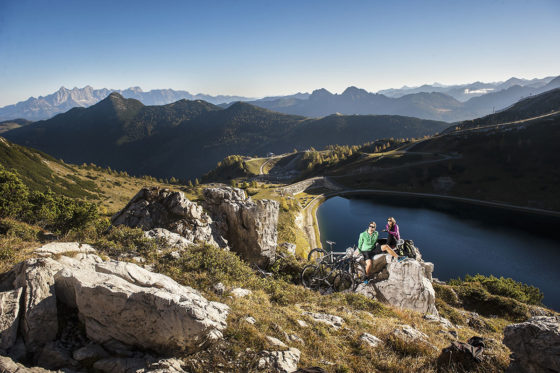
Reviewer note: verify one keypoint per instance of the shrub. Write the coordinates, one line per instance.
(506, 287)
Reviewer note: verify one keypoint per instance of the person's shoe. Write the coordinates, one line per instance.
(366, 281)
(401, 258)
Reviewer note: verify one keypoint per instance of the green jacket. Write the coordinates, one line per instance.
(367, 242)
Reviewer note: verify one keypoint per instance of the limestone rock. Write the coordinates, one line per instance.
(535, 345)
(113, 303)
(7, 365)
(9, 317)
(380, 262)
(302, 324)
(250, 227)
(290, 247)
(428, 269)
(407, 287)
(295, 338)
(280, 361)
(58, 248)
(160, 208)
(408, 334)
(219, 288)
(120, 365)
(440, 320)
(39, 314)
(275, 342)
(331, 320)
(370, 340)
(91, 352)
(55, 356)
(240, 292)
(172, 239)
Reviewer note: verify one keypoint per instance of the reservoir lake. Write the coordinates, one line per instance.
(459, 238)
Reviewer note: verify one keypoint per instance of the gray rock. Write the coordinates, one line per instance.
(280, 361)
(296, 338)
(18, 351)
(58, 248)
(370, 340)
(408, 334)
(302, 324)
(407, 287)
(118, 298)
(219, 288)
(240, 292)
(7, 365)
(120, 365)
(331, 320)
(172, 239)
(290, 247)
(90, 353)
(9, 317)
(251, 320)
(428, 269)
(55, 356)
(440, 320)
(535, 345)
(380, 262)
(160, 208)
(164, 366)
(275, 342)
(39, 315)
(250, 227)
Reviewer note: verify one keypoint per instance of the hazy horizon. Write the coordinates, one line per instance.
(257, 49)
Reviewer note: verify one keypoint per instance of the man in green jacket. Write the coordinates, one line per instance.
(366, 245)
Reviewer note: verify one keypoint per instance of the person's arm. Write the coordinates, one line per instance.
(360, 242)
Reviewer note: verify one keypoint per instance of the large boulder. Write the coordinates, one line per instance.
(120, 304)
(407, 286)
(117, 297)
(161, 208)
(535, 345)
(250, 227)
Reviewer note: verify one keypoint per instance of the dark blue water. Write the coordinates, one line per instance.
(457, 237)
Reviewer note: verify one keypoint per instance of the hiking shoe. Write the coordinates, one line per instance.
(401, 258)
(366, 281)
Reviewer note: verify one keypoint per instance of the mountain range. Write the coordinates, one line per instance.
(44, 107)
(426, 105)
(437, 102)
(185, 139)
(463, 92)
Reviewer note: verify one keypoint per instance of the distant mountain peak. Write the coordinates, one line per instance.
(352, 90)
(321, 92)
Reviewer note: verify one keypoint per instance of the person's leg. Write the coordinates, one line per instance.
(369, 265)
(388, 249)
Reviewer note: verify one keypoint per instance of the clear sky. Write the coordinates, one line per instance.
(265, 47)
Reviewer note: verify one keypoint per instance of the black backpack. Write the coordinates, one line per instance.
(408, 249)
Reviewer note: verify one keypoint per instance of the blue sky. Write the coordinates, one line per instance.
(258, 48)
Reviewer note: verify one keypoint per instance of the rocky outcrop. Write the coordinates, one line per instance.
(79, 310)
(249, 226)
(161, 208)
(9, 317)
(280, 361)
(535, 345)
(232, 220)
(406, 284)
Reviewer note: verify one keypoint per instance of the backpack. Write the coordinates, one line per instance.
(408, 249)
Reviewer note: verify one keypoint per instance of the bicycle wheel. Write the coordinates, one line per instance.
(343, 281)
(312, 276)
(316, 254)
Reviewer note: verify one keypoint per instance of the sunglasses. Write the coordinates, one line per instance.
(372, 226)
